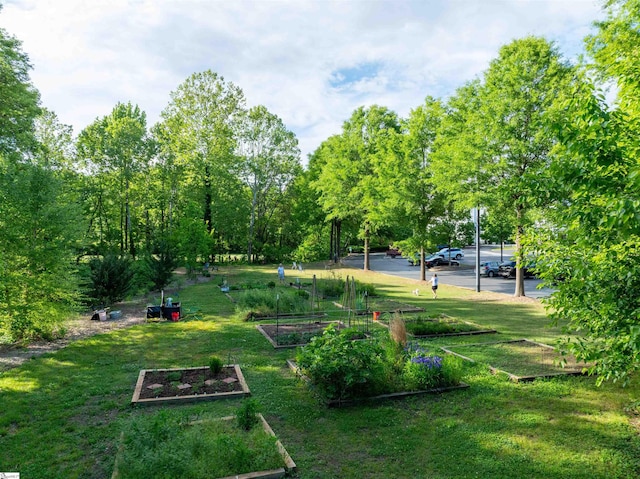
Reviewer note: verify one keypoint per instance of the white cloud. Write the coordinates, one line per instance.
(88, 55)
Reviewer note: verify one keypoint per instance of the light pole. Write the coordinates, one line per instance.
(478, 249)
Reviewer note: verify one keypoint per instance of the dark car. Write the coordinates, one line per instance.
(437, 260)
(508, 270)
(489, 268)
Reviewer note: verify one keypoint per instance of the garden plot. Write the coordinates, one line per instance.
(380, 305)
(291, 335)
(344, 372)
(176, 386)
(165, 445)
(521, 360)
(424, 326)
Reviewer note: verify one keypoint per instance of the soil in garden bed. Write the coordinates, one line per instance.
(200, 381)
(294, 334)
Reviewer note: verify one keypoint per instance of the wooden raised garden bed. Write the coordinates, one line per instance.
(184, 385)
(520, 359)
(384, 306)
(292, 335)
(375, 399)
(288, 465)
(441, 326)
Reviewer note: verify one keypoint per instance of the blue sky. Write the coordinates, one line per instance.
(309, 62)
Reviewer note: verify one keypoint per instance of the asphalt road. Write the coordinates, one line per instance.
(463, 277)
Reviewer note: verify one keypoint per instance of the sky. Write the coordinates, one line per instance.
(310, 62)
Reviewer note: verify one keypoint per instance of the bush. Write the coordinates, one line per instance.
(111, 279)
(215, 365)
(341, 368)
(247, 414)
(159, 269)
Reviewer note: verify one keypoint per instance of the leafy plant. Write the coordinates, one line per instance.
(426, 371)
(247, 414)
(174, 376)
(341, 368)
(166, 445)
(215, 365)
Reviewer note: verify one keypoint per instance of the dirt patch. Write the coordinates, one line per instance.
(133, 312)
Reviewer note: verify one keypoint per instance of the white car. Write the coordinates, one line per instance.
(454, 253)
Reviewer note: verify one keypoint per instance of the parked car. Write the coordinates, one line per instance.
(489, 268)
(455, 253)
(414, 260)
(431, 261)
(392, 252)
(508, 270)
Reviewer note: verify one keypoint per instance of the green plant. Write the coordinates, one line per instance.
(158, 269)
(215, 365)
(247, 414)
(111, 279)
(341, 368)
(174, 376)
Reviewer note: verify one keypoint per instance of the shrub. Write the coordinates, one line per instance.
(111, 279)
(158, 269)
(341, 368)
(330, 287)
(215, 365)
(247, 414)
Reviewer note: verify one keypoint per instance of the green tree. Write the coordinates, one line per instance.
(270, 160)
(115, 149)
(38, 285)
(411, 194)
(198, 140)
(350, 184)
(504, 147)
(592, 242)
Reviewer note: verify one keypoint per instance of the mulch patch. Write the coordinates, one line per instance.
(190, 382)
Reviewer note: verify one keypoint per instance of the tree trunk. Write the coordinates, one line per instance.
(252, 225)
(366, 245)
(423, 269)
(207, 198)
(519, 273)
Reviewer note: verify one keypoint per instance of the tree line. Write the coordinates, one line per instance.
(532, 142)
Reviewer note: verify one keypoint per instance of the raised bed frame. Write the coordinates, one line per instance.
(514, 377)
(382, 397)
(191, 398)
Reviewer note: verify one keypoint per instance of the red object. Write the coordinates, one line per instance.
(175, 316)
(376, 315)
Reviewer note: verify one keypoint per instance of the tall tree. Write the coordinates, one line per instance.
(509, 130)
(270, 160)
(37, 282)
(199, 133)
(411, 191)
(350, 184)
(592, 244)
(115, 149)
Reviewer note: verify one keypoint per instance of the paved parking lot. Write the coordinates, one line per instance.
(464, 277)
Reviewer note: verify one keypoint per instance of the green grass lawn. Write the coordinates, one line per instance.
(61, 414)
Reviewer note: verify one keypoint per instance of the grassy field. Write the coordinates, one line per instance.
(61, 414)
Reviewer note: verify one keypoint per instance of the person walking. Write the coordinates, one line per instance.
(281, 273)
(434, 285)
